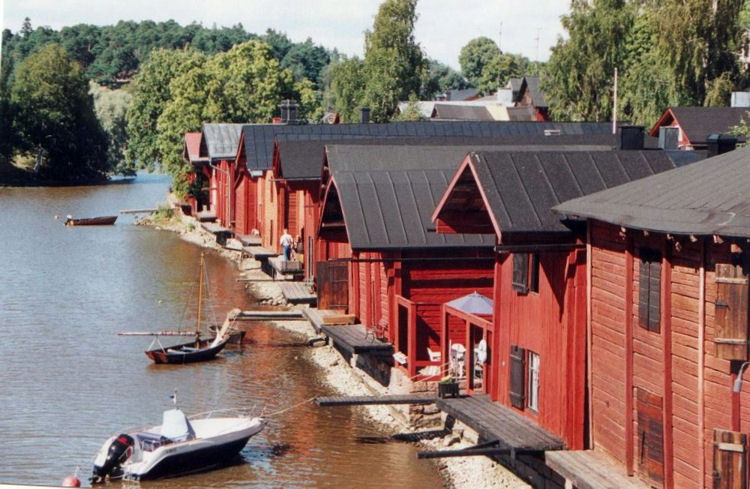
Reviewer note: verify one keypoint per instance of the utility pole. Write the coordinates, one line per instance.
(538, 35)
(614, 109)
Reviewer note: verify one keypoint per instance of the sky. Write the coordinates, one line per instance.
(529, 28)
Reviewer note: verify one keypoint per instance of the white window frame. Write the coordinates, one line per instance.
(532, 381)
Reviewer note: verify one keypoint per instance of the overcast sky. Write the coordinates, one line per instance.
(444, 26)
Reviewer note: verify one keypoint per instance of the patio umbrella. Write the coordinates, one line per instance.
(474, 303)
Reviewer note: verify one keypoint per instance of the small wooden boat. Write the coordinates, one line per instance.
(195, 351)
(91, 221)
(201, 349)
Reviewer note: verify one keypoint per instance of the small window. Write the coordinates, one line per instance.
(525, 272)
(649, 292)
(532, 381)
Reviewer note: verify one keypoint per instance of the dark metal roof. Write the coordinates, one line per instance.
(259, 138)
(453, 112)
(301, 154)
(387, 195)
(706, 198)
(521, 113)
(219, 141)
(699, 122)
(537, 95)
(521, 188)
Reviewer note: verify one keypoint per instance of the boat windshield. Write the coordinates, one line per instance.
(175, 426)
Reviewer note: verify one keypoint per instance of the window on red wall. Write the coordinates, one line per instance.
(532, 381)
(649, 290)
(524, 378)
(526, 272)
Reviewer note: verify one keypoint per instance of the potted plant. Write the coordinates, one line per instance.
(447, 387)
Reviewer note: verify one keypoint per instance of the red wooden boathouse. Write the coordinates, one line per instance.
(669, 323)
(537, 342)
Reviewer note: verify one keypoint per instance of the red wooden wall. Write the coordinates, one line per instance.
(552, 324)
(627, 358)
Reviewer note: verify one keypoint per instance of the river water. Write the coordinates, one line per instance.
(69, 382)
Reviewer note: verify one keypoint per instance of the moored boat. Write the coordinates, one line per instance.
(90, 221)
(176, 447)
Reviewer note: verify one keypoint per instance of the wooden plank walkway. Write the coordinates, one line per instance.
(353, 338)
(588, 469)
(248, 240)
(212, 227)
(298, 293)
(271, 315)
(375, 400)
(281, 266)
(259, 252)
(493, 421)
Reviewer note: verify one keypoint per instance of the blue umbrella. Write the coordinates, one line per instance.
(474, 303)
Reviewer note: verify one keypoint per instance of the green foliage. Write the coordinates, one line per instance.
(347, 87)
(306, 60)
(411, 113)
(440, 79)
(55, 120)
(668, 52)
(474, 58)
(394, 65)
(151, 93)
(111, 108)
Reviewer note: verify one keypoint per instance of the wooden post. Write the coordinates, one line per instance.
(629, 442)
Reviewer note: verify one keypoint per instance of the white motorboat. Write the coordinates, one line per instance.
(176, 447)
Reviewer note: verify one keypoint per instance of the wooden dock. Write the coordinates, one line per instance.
(259, 252)
(493, 421)
(270, 315)
(248, 239)
(353, 338)
(588, 469)
(138, 211)
(298, 293)
(376, 400)
(282, 267)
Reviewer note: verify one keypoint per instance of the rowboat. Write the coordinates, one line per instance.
(91, 221)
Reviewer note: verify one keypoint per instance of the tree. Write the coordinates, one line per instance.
(440, 79)
(579, 75)
(111, 108)
(475, 56)
(394, 64)
(306, 60)
(151, 93)
(347, 87)
(243, 85)
(55, 117)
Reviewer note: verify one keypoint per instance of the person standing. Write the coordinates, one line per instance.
(286, 242)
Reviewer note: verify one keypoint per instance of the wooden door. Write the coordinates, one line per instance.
(333, 283)
(730, 456)
(650, 437)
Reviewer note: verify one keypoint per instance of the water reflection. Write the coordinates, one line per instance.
(69, 381)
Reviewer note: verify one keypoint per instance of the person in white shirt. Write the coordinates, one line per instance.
(286, 242)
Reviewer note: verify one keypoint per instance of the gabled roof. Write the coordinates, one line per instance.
(259, 138)
(531, 84)
(191, 148)
(386, 194)
(464, 94)
(451, 112)
(699, 122)
(220, 141)
(706, 198)
(519, 189)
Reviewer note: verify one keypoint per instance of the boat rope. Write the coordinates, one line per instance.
(276, 413)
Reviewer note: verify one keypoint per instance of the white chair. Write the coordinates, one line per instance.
(433, 355)
(458, 359)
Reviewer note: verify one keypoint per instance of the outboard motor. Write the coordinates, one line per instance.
(118, 452)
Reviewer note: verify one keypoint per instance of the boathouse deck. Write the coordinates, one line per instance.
(353, 338)
(281, 267)
(259, 252)
(298, 293)
(588, 469)
(493, 421)
(428, 398)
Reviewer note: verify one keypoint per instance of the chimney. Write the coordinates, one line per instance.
(288, 111)
(630, 137)
(364, 115)
(720, 143)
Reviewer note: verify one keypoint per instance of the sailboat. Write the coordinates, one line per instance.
(199, 350)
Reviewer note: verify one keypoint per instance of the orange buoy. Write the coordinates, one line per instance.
(71, 481)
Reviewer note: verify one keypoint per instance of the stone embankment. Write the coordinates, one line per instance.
(458, 473)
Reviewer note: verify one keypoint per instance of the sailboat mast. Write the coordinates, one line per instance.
(200, 299)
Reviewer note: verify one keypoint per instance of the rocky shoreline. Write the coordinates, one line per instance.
(457, 472)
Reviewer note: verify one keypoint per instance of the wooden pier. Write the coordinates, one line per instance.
(270, 315)
(493, 421)
(298, 293)
(353, 338)
(588, 469)
(138, 211)
(376, 400)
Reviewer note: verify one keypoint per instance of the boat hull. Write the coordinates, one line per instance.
(202, 459)
(92, 221)
(186, 352)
